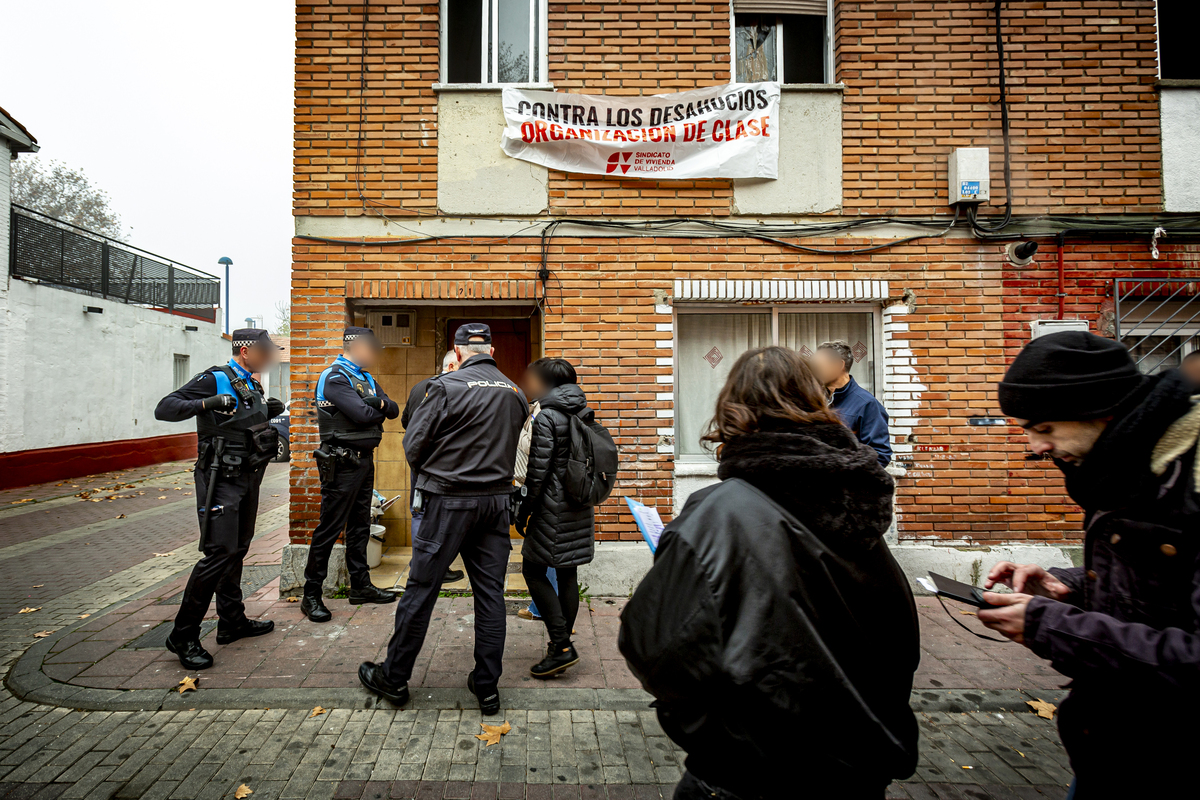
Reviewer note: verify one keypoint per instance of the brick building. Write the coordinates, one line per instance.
(409, 216)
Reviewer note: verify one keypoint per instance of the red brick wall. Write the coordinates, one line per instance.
(970, 315)
(921, 79)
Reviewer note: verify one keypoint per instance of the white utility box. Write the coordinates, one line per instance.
(392, 326)
(1041, 327)
(970, 179)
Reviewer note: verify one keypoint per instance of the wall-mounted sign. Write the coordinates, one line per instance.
(729, 131)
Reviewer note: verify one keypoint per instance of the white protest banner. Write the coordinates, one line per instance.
(729, 131)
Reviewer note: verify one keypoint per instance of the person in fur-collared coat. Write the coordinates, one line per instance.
(776, 631)
(1125, 626)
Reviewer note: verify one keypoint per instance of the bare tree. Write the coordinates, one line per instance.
(283, 313)
(64, 193)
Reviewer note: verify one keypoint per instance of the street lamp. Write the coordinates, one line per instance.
(228, 262)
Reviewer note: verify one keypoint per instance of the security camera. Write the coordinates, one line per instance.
(1020, 254)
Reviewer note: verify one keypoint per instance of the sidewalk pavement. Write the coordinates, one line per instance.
(587, 734)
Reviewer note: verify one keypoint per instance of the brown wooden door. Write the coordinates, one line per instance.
(511, 339)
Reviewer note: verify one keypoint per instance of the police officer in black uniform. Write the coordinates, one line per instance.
(462, 445)
(351, 408)
(235, 445)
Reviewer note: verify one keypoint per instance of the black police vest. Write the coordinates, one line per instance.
(339, 430)
(242, 431)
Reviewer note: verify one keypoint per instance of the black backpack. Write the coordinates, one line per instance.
(591, 463)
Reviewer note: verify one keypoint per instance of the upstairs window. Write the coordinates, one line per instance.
(494, 41)
(789, 41)
(1177, 24)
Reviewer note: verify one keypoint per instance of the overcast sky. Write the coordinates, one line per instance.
(182, 112)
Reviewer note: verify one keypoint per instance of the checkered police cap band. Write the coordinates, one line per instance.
(244, 342)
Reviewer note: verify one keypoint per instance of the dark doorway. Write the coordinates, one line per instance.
(511, 339)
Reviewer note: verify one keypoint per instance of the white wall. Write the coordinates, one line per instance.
(75, 378)
(5, 210)
(1181, 148)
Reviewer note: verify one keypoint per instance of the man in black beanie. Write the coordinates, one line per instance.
(1125, 627)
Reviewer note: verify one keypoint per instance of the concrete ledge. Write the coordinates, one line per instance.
(617, 569)
(959, 562)
(295, 559)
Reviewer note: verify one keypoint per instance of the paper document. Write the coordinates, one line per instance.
(648, 522)
(388, 503)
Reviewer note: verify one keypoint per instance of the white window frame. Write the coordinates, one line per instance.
(683, 307)
(538, 72)
(831, 78)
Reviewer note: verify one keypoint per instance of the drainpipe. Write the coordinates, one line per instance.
(1062, 291)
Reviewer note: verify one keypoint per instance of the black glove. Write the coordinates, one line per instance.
(376, 403)
(219, 402)
(274, 407)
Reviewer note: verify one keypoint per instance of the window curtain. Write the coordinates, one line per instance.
(706, 347)
(804, 332)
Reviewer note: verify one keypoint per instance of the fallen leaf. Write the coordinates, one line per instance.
(42, 634)
(162, 555)
(1044, 710)
(84, 616)
(119, 516)
(162, 497)
(243, 792)
(187, 684)
(965, 767)
(316, 712)
(1018, 752)
(968, 613)
(96, 499)
(274, 495)
(29, 610)
(30, 500)
(38, 585)
(492, 733)
(293, 599)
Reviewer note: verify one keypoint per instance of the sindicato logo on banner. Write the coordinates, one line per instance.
(729, 131)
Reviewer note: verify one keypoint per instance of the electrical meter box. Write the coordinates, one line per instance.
(392, 326)
(970, 180)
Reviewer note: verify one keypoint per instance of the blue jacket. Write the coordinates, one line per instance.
(864, 415)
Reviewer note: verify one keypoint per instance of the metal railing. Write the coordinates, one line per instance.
(1158, 319)
(64, 255)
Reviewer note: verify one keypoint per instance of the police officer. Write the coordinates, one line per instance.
(351, 408)
(235, 444)
(462, 444)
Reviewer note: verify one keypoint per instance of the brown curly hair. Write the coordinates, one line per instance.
(769, 388)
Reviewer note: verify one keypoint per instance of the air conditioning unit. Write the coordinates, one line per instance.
(393, 326)
(1042, 327)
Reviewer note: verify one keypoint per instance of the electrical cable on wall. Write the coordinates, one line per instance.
(978, 226)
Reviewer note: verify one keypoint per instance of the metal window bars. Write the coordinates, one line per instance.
(67, 256)
(1152, 313)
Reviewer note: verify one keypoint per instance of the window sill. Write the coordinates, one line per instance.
(695, 469)
(1177, 83)
(813, 87)
(489, 87)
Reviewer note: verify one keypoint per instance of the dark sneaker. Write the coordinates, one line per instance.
(192, 654)
(370, 594)
(314, 608)
(558, 658)
(371, 676)
(453, 575)
(489, 699)
(244, 630)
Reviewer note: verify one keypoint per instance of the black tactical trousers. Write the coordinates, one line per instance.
(219, 572)
(345, 504)
(476, 527)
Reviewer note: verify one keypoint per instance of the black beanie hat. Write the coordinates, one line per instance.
(1072, 375)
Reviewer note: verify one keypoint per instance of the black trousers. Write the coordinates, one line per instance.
(345, 504)
(558, 609)
(219, 572)
(476, 527)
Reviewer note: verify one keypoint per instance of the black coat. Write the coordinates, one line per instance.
(1129, 633)
(776, 630)
(557, 531)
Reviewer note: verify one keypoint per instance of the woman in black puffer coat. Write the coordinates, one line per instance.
(559, 533)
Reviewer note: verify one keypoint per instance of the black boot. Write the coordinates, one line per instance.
(370, 594)
(371, 676)
(191, 654)
(453, 575)
(243, 630)
(314, 608)
(489, 699)
(558, 658)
